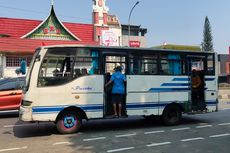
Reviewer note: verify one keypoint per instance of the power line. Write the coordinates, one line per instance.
(24, 10)
(40, 12)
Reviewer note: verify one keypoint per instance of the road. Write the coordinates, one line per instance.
(208, 133)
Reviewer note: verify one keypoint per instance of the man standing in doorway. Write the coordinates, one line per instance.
(118, 90)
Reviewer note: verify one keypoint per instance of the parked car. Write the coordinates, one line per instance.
(11, 93)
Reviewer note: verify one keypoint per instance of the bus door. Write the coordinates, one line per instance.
(110, 62)
(196, 69)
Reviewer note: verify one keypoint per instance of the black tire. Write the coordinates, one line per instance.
(172, 115)
(69, 122)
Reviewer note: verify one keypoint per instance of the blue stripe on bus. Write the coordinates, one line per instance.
(211, 103)
(175, 84)
(169, 89)
(188, 79)
(144, 105)
(210, 79)
(100, 108)
(181, 79)
(87, 108)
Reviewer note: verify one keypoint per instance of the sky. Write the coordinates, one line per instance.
(167, 21)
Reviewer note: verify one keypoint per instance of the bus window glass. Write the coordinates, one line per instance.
(86, 63)
(55, 70)
(143, 65)
(198, 64)
(114, 61)
(171, 65)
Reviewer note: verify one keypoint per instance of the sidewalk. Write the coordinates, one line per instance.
(224, 99)
(224, 94)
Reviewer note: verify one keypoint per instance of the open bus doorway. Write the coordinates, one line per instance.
(197, 83)
(110, 63)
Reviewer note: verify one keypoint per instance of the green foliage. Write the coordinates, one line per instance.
(178, 47)
(207, 44)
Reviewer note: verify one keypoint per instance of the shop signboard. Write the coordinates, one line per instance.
(136, 44)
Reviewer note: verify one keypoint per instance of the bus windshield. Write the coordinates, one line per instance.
(30, 69)
(61, 66)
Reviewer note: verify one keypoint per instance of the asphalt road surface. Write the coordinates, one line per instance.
(209, 133)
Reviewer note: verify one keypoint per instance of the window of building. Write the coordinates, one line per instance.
(14, 61)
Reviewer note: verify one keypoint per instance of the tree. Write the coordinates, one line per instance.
(207, 44)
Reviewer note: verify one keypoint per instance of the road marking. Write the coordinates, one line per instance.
(203, 126)
(12, 149)
(158, 144)
(92, 139)
(10, 126)
(224, 124)
(220, 135)
(125, 135)
(62, 143)
(225, 109)
(192, 139)
(121, 149)
(153, 132)
(20, 125)
(180, 129)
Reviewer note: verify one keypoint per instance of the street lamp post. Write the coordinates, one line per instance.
(130, 17)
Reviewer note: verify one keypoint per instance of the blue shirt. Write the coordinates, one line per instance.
(118, 83)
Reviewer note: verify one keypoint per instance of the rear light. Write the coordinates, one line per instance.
(26, 103)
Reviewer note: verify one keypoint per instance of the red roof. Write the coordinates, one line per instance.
(13, 29)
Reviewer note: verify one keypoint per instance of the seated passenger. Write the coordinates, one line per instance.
(56, 73)
(77, 72)
(84, 71)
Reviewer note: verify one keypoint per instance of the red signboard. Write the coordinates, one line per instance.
(134, 44)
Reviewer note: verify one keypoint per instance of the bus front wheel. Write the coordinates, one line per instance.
(172, 115)
(69, 122)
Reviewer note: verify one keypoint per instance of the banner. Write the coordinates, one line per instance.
(109, 38)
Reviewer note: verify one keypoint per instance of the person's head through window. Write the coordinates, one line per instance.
(118, 69)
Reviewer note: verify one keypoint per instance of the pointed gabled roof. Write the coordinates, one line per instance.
(51, 29)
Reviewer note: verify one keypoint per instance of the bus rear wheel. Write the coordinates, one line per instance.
(172, 115)
(69, 122)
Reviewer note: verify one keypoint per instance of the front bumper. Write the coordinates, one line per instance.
(25, 113)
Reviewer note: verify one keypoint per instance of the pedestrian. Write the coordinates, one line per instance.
(118, 90)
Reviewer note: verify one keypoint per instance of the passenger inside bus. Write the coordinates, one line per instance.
(84, 72)
(118, 90)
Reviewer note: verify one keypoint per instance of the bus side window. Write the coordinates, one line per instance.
(94, 64)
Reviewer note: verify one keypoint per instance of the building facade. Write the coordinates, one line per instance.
(20, 37)
(224, 68)
(136, 38)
